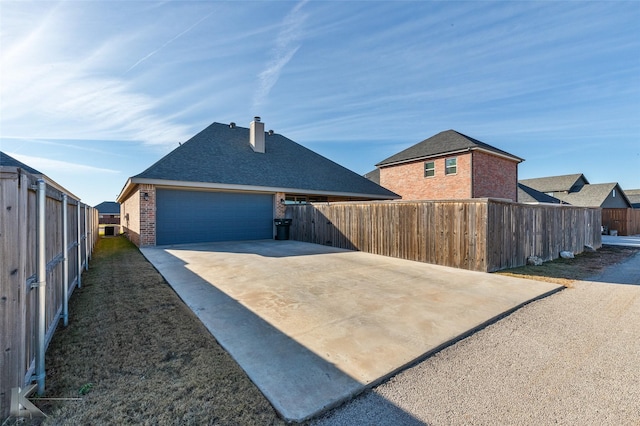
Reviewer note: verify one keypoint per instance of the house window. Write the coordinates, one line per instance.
(429, 169)
(614, 193)
(451, 166)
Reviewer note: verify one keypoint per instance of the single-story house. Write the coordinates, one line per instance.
(449, 165)
(230, 183)
(575, 189)
(108, 213)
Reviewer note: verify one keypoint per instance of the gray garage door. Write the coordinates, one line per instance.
(199, 216)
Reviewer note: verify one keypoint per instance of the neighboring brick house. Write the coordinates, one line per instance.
(575, 190)
(449, 165)
(108, 213)
(230, 183)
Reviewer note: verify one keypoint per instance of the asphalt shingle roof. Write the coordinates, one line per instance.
(442, 143)
(108, 207)
(7, 160)
(593, 195)
(527, 194)
(222, 154)
(554, 183)
(634, 197)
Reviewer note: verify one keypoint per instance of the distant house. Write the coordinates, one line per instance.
(576, 190)
(449, 165)
(634, 197)
(229, 183)
(8, 161)
(108, 213)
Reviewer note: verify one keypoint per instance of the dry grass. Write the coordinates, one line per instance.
(566, 271)
(136, 354)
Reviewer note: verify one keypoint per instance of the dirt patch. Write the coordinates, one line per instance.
(582, 267)
(134, 353)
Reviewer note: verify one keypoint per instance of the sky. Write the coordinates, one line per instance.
(94, 92)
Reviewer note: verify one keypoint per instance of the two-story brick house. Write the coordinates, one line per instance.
(450, 165)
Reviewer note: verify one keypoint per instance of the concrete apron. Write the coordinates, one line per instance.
(313, 326)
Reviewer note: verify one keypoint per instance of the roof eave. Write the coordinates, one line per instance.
(442, 154)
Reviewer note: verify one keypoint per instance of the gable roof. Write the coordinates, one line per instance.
(526, 194)
(373, 176)
(554, 183)
(108, 207)
(220, 156)
(445, 142)
(7, 160)
(593, 195)
(633, 195)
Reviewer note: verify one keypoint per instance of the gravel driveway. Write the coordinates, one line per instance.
(572, 358)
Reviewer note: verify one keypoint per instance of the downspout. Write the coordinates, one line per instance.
(472, 176)
(41, 283)
(65, 263)
(79, 250)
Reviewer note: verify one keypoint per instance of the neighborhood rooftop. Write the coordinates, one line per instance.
(449, 141)
(554, 183)
(7, 160)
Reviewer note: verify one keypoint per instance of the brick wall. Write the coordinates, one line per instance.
(147, 215)
(280, 207)
(408, 181)
(140, 226)
(130, 214)
(494, 177)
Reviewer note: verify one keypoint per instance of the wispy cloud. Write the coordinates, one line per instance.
(49, 166)
(54, 90)
(147, 56)
(287, 44)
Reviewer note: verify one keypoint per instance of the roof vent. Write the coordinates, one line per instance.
(271, 132)
(232, 125)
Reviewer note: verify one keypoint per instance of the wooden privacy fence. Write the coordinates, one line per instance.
(478, 234)
(42, 262)
(625, 221)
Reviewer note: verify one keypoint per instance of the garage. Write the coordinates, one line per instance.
(184, 216)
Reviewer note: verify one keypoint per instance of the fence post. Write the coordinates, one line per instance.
(86, 240)
(41, 283)
(79, 249)
(65, 263)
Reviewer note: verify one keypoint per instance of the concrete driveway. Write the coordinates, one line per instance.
(630, 241)
(313, 326)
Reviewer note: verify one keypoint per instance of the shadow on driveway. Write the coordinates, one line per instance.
(313, 326)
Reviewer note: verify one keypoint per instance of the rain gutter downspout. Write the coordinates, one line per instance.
(65, 263)
(41, 283)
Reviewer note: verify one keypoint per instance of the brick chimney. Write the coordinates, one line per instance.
(256, 135)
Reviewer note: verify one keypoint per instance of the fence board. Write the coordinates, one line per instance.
(479, 234)
(18, 302)
(625, 221)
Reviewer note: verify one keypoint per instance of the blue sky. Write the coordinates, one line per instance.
(94, 92)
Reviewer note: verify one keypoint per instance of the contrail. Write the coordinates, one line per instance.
(144, 58)
(286, 48)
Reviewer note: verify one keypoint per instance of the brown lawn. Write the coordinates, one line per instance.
(133, 353)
